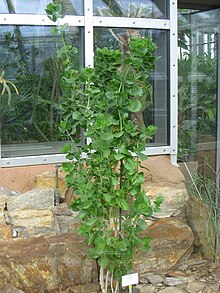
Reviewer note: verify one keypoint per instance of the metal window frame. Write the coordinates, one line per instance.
(218, 112)
(88, 21)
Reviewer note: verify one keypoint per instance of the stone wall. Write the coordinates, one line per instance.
(39, 244)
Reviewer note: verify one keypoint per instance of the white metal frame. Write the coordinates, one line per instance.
(218, 111)
(88, 21)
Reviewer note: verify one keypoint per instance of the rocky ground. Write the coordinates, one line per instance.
(194, 276)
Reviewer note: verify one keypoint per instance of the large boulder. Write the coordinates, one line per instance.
(40, 249)
(201, 220)
(175, 199)
(48, 264)
(159, 171)
(164, 179)
(172, 244)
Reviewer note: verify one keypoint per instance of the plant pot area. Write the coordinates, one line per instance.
(40, 245)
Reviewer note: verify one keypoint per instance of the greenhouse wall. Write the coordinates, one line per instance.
(29, 43)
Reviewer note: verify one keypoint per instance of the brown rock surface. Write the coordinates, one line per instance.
(200, 219)
(48, 180)
(174, 199)
(46, 264)
(172, 243)
(34, 221)
(159, 170)
(5, 231)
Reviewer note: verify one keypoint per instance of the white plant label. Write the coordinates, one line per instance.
(131, 279)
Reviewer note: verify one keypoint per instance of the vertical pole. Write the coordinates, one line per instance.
(89, 43)
(173, 82)
(89, 39)
(218, 106)
(130, 289)
(195, 49)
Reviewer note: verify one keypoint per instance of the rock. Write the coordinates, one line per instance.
(172, 243)
(195, 263)
(177, 273)
(48, 180)
(7, 192)
(62, 210)
(200, 220)
(146, 288)
(36, 198)
(160, 171)
(174, 199)
(194, 287)
(67, 224)
(5, 231)
(2, 217)
(171, 290)
(154, 279)
(3, 202)
(11, 289)
(171, 281)
(47, 264)
(33, 221)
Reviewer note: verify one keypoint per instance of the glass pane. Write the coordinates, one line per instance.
(199, 95)
(156, 104)
(29, 60)
(198, 85)
(132, 8)
(73, 7)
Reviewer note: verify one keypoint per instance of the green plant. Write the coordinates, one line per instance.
(206, 188)
(104, 174)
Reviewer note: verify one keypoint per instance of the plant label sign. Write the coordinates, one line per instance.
(131, 279)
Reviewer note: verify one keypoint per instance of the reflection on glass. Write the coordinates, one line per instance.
(131, 8)
(198, 85)
(72, 7)
(29, 59)
(155, 103)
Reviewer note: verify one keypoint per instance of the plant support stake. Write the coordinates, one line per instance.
(56, 192)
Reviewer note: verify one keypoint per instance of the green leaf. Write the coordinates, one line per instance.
(136, 91)
(134, 105)
(118, 134)
(94, 253)
(151, 130)
(123, 204)
(114, 181)
(130, 164)
(142, 156)
(107, 197)
(110, 95)
(134, 191)
(67, 148)
(103, 261)
(106, 136)
(76, 115)
(87, 204)
(142, 224)
(139, 179)
(118, 157)
(82, 214)
(106, 152)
